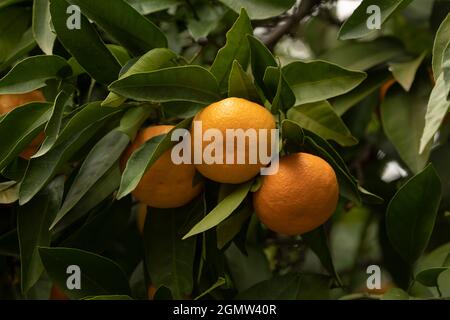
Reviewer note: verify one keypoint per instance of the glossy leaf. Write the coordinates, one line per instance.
(33, 221)
(357, 25)
(280, 93)
(240, 84)
(230, 227)
(99, 275)
(186, 83)
(260, 9)
(260, 58)
(440, 43)
(98, 61)
(320, 118)
(318, 80)
(123, 23)
(32, 73)
(411, 214)
(222, 211)
(236, 49)
(42, 27)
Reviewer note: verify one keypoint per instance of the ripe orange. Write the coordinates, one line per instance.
(141, 215)
(165, 184)
(9, 102)
(233, 113)
(301, 196)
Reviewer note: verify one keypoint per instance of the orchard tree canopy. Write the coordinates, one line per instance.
(93, 205)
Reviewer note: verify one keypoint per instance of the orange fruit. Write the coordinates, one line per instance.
(141, 215)
(165, 184)
(233, 113)
(9, 102)
(57, 294)
(301, 196)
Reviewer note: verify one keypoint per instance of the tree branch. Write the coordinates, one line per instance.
(305, 8)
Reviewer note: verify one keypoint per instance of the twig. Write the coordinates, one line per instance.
(304, 9)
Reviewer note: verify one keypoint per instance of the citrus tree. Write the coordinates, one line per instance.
(97, 95)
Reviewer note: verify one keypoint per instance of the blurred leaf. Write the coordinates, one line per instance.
(169, 259)
(292, 286)
(260, 9)
(9, 192)
(446, 67)
(222, 211)
(429, 277)
(25, 44)
(364, 55)
(372, 83)
(282, 97)
(32, 73)
(440, 42)
(114, 297)
(411, 214)
(395, 294)
(220, 282)
(437, 109)
(21, 126)
(42, 26)
(185, 83)
(9, 244)
(99, 160)
(318, 242)
(124, 24)
(33, 221)
(149, 6)
(53, 125)
(247, 269)
(99, 275)
(98, 61)
(6, 3)
(240, 84)
(236, 48)
(403, 119)
(405, 72)
(207, 19)
(153, 60)
(13, 24)
(145, 156)
(318, 80)
(76, 133)
(357, 25)
(320, 118)
(260, 58)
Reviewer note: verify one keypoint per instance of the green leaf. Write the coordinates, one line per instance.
(76, 133)
(124, 24)
(405, 72)
(320, 118)
(260, 9)
(222, 211)
(293, 132)
(206, 20)
(32, 73)
(429, 277)
(33, 221)
(281, 94)
(440, 43)
(98, 61)
(21, 126)
(240, 84)
(318, 80)
(372, 83)
(99, 275)
(132, 120)
(437, 109)
(403, 119)
(292, 286)
(153, 60)
(395, 294)
(144, 157)
(230, 227)
(364, 55)
(99, 160)
(446, 67)
(185, 83)
(114, 297)
(9, 244)
(411, 214)
(169, 260)
(53, 125)
(356, 26)
(260, 58)
(318, 242)
(219, 283)
(9, 192)
(236, 48)
(146, 7)
(21, 47)
(42, 26)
